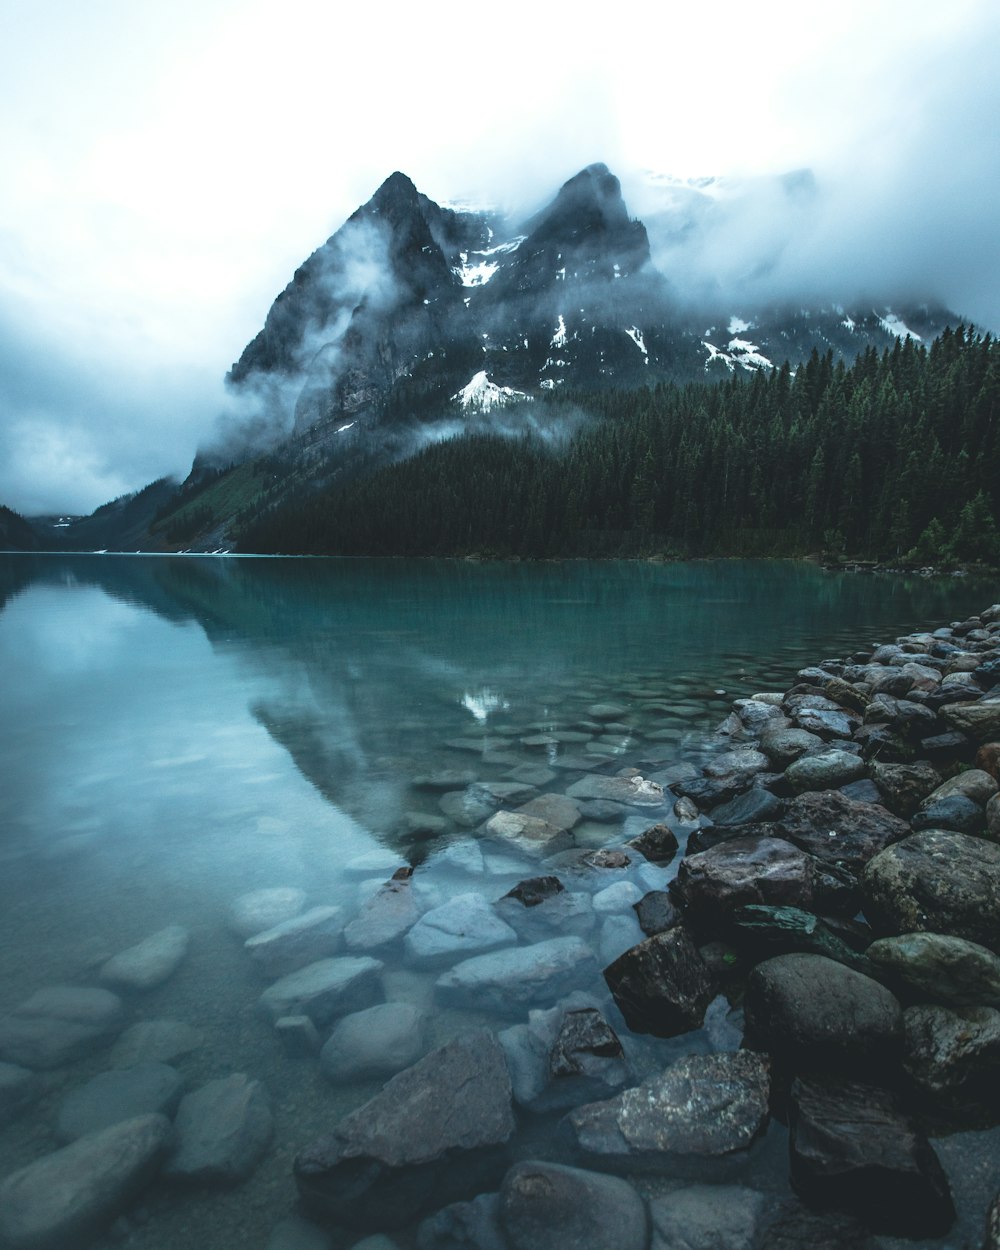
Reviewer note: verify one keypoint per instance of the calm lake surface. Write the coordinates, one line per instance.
(178, 731)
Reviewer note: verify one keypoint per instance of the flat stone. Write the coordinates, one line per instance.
(389, 1160)
(938, 882)
(263, 909)
(154, 1041)
(325, 989)
(661, 985)
(556, 810)
(570, 912)
(839, 830)
(19, 1088)
(507, 980)
(851, 1148)
(707, 1217)
(607, 711)
(706, 1105)
(604, 811)
(548, 1206)
(632, 791)
(826, 723)
(59, 1024)
(69, 1196)
(223, 1131)
(383, 918)
(315, 934)
(464, 926)
(149, 963)
(121, 1094)
(377, 1042)
(445, 779)
(528, 834)
(939, 968)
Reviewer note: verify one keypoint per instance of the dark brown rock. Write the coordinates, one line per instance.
(658, 844)
(662, 985)
(905, 786)
(535, 890)
(839, 830)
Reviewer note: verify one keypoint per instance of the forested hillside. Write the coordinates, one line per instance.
(896, 457)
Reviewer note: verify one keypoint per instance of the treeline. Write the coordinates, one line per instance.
(895, 457)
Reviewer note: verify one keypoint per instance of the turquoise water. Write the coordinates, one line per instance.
(177, 731)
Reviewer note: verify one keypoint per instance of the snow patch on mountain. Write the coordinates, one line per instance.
(738, 352)
(895, 325)
(635, 334)
(559, 338)
(482, 395)
(738, 326)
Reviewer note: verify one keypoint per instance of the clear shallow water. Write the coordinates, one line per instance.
(177, 731)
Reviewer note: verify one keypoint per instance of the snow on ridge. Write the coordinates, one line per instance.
(848, 323)
(502, 249)
(635, 334)
(474, 275)
(482, 395)
(559, 338)
(738, 326)
(895, 325)
(738, 352)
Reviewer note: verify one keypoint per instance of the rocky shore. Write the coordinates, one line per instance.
(796, 941)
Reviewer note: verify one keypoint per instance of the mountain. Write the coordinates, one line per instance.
(416, 320)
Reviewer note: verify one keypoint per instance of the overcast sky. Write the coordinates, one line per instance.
(166, 165)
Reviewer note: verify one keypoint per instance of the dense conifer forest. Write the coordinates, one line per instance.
(896, 457)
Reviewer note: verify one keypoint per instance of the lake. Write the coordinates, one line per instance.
(176, 732)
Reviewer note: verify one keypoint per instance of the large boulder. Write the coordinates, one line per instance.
(807, 1009)
(59, 1024)
(507, 980)
(839, 830)
(223, 1130)
(936, 881)
(661, 985)
(67, 1197)
(852, 1148)
(705, 1105)
(430, 1136)
(547, 1206)
(939, 968)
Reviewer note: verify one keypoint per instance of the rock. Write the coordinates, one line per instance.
(377, 1042)
(567, 913)
(953, 1054)
(973, 783)
(471, 1225)
(604, 812)
(826, 723)
(607, 858)
(988, 759)
(619, 933)
(508, 980)
(661, 985)
(263, 909)
(808, 1009)
(740, 760)
(851, 1148)
(656, 913)
(445, 779)
(59, 1024)
(428, 1130)
(713, 883)
(904, 786)
(954, 812)
(992, 1241)
(607, 711)
(555, 809)
(383, 918)
(19, 1088)
(617, 897)
(824, 771)
(154, 1041)
(548, 1206)
(838, 830)
(993, 818)
(863, 791)
(376, 863)
(938, 882)
(149, 963)
(465, 925)
(297, 1034)
(773, 931)
(527, 834)
(223, 1130)
(782, 745)
(979, 720)
(304, 939)
(325, 989)
(658, 844)
(939, 968)
(706, 1217)
(707, 1105)
(535, 890)
(753, 806)
(796, 1227)
(633, 791)
(66, 1197)
(299, 1234)
(121, 1094)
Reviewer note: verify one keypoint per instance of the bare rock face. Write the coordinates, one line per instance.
(706, 1105)
(430, 1136)
(852, 1149)
(66, 1197)
(662, 985)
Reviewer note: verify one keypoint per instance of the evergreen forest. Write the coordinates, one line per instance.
(894, 458)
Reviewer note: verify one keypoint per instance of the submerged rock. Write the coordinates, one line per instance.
(633, 791)
(325, 989)
(471, 1225)
(59, 1024)
(223, 1131)
(66, 1197)
(377, 1042)
(548, 1206)
(313, 935)
(19, 1088)
(507, 980)
(154, 1041)
(431, 1132)
(149, 963)
(463, 926)
(383, 918)
(121, 1094)
(263, 909)
(707, 1217)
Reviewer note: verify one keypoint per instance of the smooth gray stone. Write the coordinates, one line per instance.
(154, 1041)
(383, 918)
(943, 969)
(325, 989)
(824, 771)
(59, 1024)
(706, 1105)
(377, 1042)
(19, 1088)
(463, 926)
(507, 980)
(706, 1217)
(65, 1198)
(262, 909)
(315, 934)
(121, 1094)
(149, 963)
(633, 791)
(223, 1130)
(973, 783)
(547, 1206)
